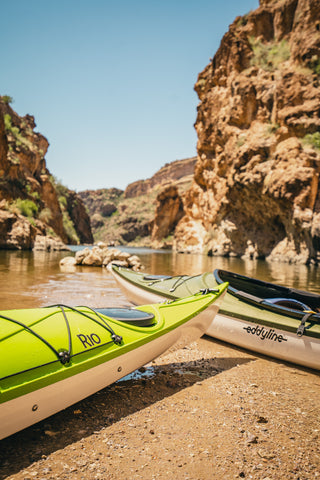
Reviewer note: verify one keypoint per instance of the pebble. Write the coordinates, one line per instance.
(50, 433)
(252, 439)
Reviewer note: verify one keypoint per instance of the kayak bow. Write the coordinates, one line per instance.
(55, 356)
(264, 317)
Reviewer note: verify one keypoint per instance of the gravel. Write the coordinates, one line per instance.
(207, 411)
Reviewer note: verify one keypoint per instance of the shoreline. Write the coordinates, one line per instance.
(207, 411)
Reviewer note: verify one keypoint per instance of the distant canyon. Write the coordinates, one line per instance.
(253, 188)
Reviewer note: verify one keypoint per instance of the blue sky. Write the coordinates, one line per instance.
(110, 83)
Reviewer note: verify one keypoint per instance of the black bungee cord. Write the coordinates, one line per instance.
(64, 356)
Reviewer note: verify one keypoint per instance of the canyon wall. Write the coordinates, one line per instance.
(256, 182)
(146, 213)
(31, 202)
(168, 174)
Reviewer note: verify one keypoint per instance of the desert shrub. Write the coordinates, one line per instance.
(201, 83)
(313, 140)
(243, 20)
(7, 99)
(241, 141)
(272, 128)
(58, 186)
(45, 215)
(69, 228)
(15, 160)
(62, 202)
(35, 195)
(168, 239)
(63, 193)
(20, 140)
(315, 64)
(51, 232)
(26, 207)
(269, 56)
(7, 123)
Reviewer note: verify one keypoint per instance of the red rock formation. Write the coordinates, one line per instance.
(118, 217)
(79, 217)
(24, 177)
(16, 232)
(255, 188)
(169, 211)
(171, 172)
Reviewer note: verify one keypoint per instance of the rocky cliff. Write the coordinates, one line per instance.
(256, 184)
(170, 173)
(147, 212)
(32, 203)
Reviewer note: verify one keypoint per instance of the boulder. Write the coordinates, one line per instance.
(92, 259)
(68, 261)
(49, 244)
(16, 232)
(101, 256)
(81, 254)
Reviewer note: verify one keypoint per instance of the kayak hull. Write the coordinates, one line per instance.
(42, 403)
(237, 322)
(134, 293)
(274, 342)
(33, 406)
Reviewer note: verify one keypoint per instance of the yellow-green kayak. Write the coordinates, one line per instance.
(54, 356)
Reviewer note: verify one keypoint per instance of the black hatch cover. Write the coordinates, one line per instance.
(131, 316)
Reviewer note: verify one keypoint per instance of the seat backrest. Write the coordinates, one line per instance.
(291, 303)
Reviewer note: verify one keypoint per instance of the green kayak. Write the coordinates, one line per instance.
(54, 356)
(264, 317)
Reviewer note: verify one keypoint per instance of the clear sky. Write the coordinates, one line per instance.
(110, 82)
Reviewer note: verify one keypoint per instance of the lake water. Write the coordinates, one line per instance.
(33, 279)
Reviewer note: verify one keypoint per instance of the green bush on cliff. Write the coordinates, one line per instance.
(69, 228)
(272, 128)
(63, 202)
(26, 207)
(20, 140)
(45, 215)
(14, 160)
(7, 99)
(315, 64)
(313, 140)
(62, 193)
(269, 56)
(243, 20)
(68, 225)
(7, 123)
(61, 190)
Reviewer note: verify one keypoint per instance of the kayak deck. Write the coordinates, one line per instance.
(260, 305)
(52, 343)
(55, 356)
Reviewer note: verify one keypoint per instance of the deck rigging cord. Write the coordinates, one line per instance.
(64, 356)
(310, 316)
(180, 280)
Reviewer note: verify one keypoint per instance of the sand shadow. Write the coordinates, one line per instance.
(134, 393)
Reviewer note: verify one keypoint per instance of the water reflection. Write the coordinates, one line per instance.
(32, 279)
(297, 276)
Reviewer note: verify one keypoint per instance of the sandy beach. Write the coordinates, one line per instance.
(207, 411)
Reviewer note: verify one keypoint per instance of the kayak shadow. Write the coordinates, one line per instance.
(133, 393)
